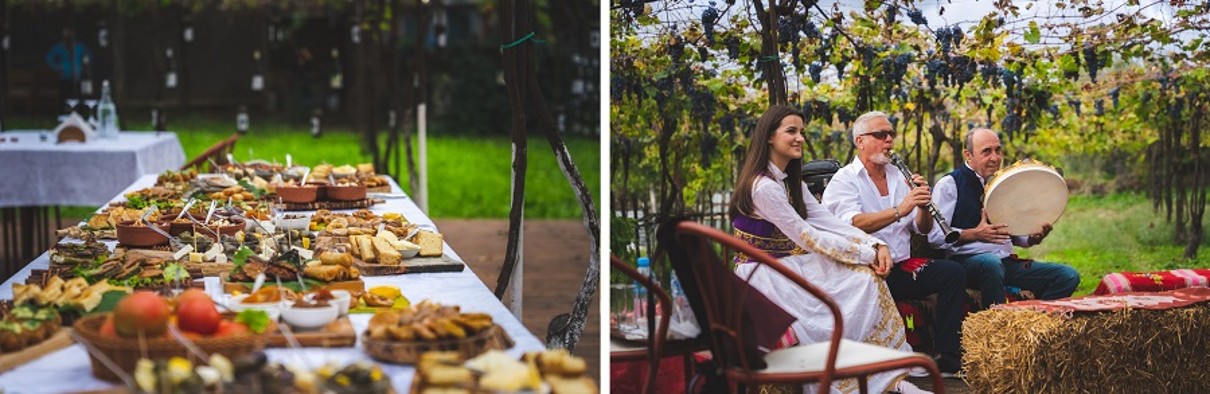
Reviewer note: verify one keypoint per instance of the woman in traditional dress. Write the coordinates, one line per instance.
(770, 211)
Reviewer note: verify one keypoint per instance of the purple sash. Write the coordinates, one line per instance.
(765, 236)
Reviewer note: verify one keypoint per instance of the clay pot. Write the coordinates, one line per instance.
(141, 236)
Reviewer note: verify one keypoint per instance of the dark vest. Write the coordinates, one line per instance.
(969, 208)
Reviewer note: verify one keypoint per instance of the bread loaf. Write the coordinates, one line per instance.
(430, 243)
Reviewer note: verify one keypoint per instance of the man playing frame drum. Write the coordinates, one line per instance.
(985, 249)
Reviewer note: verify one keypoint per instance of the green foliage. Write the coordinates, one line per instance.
(1098, 235)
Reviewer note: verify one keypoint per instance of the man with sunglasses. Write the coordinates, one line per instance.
(874, 196)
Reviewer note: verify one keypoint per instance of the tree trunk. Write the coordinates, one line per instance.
(565, 330)
(514, 22)
(769, 56)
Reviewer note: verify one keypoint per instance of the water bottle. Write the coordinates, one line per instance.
(107, 114)
(680, 304)
(640, 293)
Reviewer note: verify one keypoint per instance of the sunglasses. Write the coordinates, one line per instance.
(881, 134)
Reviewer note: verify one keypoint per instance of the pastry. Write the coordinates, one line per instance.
(430, 243)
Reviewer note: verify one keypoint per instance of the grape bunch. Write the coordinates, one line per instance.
(1010, 79)
(808, 107)
(702, 103)
(823, 111)
(895, 68)
(727, 123)
(810, 31)
(709, 17)
(1113, 95)
(1011, 123)
(676, 49)
(891, 12)
(956, 35)
(942, 35)
(1054, 111)
(815, 69)
(732, 44)
(617, 87)
(990, 73)
(845, 116)
(787, 30)
(894, 121)
(935, 69)
(1100, 107)
(917, 17)
(1091, 62)
(962, 69)
(635, 7)
(844, 61)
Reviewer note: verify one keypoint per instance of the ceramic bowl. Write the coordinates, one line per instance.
(298, 194)
(294, 222)
(343, 299)
(309, 318)
(140, 236)
(237, 304)
(346, 192)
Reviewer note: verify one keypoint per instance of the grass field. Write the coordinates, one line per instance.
(1118, 232)
(469, 177)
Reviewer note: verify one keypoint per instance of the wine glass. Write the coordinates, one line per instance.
(71, 105)
(92, 111)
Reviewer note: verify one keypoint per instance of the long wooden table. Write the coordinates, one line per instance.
(69, 369)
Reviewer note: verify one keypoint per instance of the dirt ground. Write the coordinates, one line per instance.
(555, 259)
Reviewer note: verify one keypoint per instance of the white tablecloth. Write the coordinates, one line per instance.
(43, 173)
(69, 369)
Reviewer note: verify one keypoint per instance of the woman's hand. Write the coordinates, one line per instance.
(882, 261)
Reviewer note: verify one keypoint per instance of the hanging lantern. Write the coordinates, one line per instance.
(258, 80)
(241, 120)
(170, 80)
(316, 125)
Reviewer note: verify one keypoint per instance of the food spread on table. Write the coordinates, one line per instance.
(233, 225)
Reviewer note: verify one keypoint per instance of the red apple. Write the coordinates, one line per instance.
(230, 328)
(142, 311)
(198, 314)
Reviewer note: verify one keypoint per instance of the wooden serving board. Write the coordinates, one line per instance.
(59, 340)
(408, 352)
(353, 286)
(331, 205)
(339, 333)
(412, 265)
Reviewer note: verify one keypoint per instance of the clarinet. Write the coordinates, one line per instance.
(951, 236)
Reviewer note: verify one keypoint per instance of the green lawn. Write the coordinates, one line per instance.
(468, 176)
(1119, 232)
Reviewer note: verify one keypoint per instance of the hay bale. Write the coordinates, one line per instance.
(1131, 350)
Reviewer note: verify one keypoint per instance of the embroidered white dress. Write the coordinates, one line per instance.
(837, 261)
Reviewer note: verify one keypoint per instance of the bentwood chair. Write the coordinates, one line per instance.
(720, 297)
(215, 154)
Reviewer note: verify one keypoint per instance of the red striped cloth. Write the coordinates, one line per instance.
(1124, 282)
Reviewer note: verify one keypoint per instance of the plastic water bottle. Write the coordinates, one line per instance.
(107, 114)
(680, 304)
(640, 293)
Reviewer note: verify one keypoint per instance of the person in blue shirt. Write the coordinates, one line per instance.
(66, 58)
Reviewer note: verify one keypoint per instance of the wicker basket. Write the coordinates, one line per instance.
(408, 352)
(127, 352)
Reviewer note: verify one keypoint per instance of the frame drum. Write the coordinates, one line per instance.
(1025, 196)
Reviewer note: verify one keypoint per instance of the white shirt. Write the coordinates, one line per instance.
(852, 192)
(820, 233)
(945, 198)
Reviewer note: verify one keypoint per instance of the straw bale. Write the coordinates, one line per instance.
(1127, 351)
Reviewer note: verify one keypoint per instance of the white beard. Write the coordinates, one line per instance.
(880, 158)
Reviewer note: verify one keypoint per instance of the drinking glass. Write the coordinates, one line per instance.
(621, 307)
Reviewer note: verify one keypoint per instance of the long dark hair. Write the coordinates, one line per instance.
(757, 160)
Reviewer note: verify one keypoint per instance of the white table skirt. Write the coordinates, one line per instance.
(69, 369)
(43, 173)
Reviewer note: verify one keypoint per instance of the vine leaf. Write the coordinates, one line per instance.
(1033, 35)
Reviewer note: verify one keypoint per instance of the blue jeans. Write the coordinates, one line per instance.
(989, 274)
